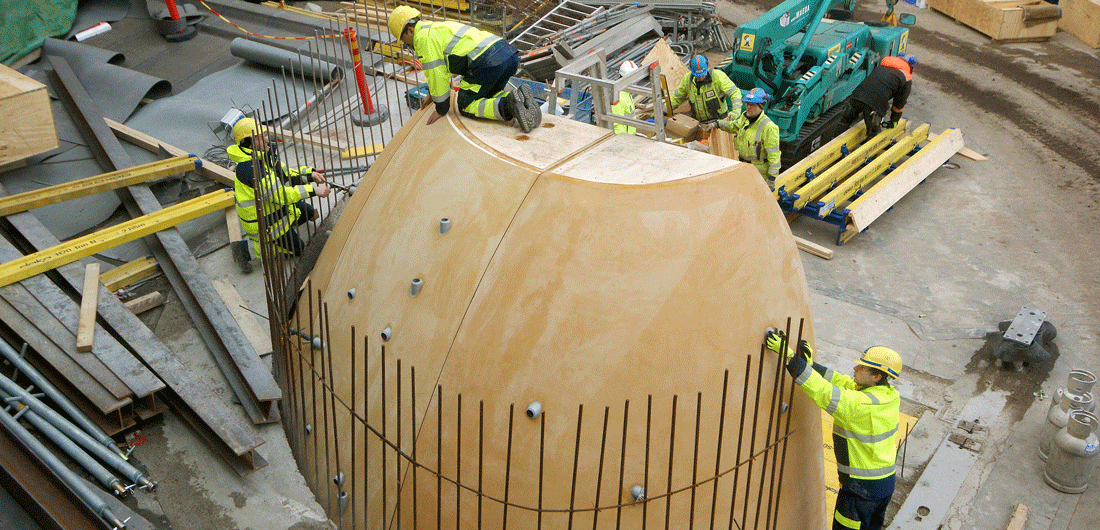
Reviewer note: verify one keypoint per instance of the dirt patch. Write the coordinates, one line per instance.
(1021, 386)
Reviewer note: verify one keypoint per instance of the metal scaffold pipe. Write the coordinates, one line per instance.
(71, 481)
(109, 457)
(105, 477)
(76, 415)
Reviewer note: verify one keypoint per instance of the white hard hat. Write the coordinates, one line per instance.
(628, 67)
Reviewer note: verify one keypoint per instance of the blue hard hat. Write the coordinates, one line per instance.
(698, 66)
(757, 95)
(909, 58)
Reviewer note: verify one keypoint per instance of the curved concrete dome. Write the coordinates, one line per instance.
(580, 269)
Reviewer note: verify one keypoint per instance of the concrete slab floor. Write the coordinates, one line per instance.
(932, 278)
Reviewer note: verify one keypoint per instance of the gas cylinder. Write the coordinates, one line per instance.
(1073, 454)
(1058, 417)
(1081, 382)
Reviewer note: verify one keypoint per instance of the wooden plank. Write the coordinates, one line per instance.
(1018, 520)
(886, 192)
(258, 335)
(85, 329)
(359, 152)
(972, 154)
(228, 433)
(252, 382)
(721, 144)
(310, 139)
(1081, 18)
(129, 273)
(146, 302)
(41, 318)
(25, 117)
(671, 66)
(813, 248)
(29, 200)
(72, 250)
(153, 145)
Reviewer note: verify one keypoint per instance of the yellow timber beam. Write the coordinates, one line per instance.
(69, 251)
(129, 273)
(828, 178)
(30, 200)
(871, 171)
(795, 176)
(359, 152)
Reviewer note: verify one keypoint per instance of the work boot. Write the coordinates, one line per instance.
(241, 255)
(527, 112)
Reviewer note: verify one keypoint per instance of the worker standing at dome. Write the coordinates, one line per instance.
(865, 411)
(485, 62)
(756, 136)
(625, 105)
(711, 93)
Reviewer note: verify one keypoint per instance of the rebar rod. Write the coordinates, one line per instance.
(599, 473)
(718, 450)
(622, 462)
(576, 458)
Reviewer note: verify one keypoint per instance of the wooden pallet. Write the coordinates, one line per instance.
(1005, 20)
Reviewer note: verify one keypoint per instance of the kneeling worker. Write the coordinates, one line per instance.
(711, 93)
(485, 62)
(865, 411)
(285, 191)
(756, 137)
(625, 105)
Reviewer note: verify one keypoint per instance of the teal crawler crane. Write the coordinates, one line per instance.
(809, 61)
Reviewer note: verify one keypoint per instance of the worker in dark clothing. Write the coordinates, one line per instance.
(865, 411)
(888, 85)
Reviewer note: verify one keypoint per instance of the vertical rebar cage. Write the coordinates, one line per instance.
(385, 446)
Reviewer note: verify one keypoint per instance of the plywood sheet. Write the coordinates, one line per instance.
(580, 269)
(671, 66)
(1081, 18)
(25, 117)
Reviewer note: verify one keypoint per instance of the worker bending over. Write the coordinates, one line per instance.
(284, 191)
(625, 105)
(756, 137)
(710, 92)
(485, 62)
(890, 81)
(865, 411)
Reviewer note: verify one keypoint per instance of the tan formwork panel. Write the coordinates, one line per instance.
(580, 269)
(26, 121)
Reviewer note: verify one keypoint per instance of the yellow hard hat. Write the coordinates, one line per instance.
(884, 359)
(245, 128)
(400, 16)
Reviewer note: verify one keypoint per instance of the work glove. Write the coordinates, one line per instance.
(724, 125)
(318, 176)
(774, 341)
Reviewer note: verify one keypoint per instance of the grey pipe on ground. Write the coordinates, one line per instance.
(277, 58)
(75, 414)
(106, 478)
(76, 434)
(71, 481)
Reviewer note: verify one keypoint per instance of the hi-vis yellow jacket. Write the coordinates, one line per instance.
(446, 49)
(865, 422)
(280, 198)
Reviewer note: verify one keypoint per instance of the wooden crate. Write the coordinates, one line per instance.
(26, 121)
(1081, 18)
(1011, 20)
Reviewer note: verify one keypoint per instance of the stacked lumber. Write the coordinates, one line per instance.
(54, 305)
(1004, 20)
(1081, 18)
